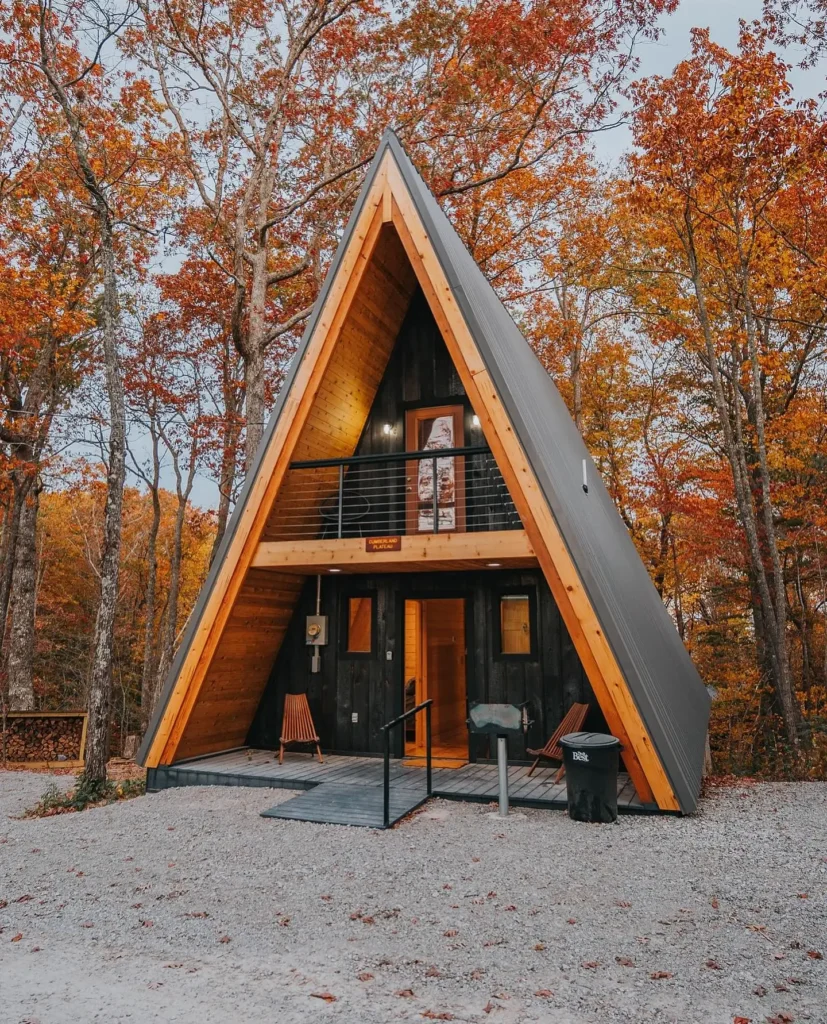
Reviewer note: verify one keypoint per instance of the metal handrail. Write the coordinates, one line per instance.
(429, 453)
(386, 728)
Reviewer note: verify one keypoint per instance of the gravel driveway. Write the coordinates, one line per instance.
(187, 906)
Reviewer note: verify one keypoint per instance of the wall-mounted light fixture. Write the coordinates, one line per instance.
(387, 429)
(475, 420)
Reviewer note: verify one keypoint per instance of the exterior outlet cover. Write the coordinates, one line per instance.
(354, 717)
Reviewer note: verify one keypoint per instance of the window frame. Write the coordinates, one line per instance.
(344, 625)
(533, 648)
(413, 417)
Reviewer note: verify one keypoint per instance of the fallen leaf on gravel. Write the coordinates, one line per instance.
(571, 920)
(742, 1020)
(433, 1015)
(510, 907)
(781, 1018)
(713, 965)
(35, 949)
(494, 942)
(368, 920)
(757, 927)
(622, 903)
(489, 1006)
(475, 860)
(327, 996)
(192, 913)
(625, 961)
(779, 987)
(155, 984)
(284, 922)
(450, 933)
(814, 954)
(24, 898)
(544, 993)
(225, 938)
(540, 946)
(590, 965)
(365, 976)
(405, 993)
(759, 990)
(780, 956)
(715, 904)
(3, 904)
(87, 924)
(657, 975)
(328, 898)
(356, 915)
(137, 906)
(433, 972)
(173, 965)
(17, 937)
(477, 974)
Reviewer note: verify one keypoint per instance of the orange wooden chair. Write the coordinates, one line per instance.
(572, 722)
(297, 725)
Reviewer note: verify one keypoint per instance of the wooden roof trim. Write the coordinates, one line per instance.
(270, 473)
(601, 666)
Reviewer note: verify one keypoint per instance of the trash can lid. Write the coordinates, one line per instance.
(589, 739)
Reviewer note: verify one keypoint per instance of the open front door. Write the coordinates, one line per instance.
(435, 670)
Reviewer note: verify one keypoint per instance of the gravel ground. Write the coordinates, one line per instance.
(187, 906)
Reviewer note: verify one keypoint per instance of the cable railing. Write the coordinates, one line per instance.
(436, 491)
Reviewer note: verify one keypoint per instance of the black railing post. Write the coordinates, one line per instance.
(341, 499)
(387, 794)
(428, 747)
(435, 493)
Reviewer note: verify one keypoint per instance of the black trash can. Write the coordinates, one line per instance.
(591, 775)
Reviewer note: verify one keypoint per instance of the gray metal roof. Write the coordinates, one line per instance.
(669, 694)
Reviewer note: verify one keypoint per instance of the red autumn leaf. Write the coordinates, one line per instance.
(814, 954)
(450, 933)
(368, 920)
(17, 937)
(713, 965)
(742, 1020)
(365, 976)
(590, 965)
(571, 920)
(657, 975)
(544, 993)
(433, 1015)
(625, 961)
(539, 946)
(225, 939)
(405, 993)
(192, 913)
(433, 972)
(328, 997)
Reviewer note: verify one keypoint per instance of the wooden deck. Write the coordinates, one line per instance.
(476, 782)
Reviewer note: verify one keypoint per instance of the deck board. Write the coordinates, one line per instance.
(300, 771)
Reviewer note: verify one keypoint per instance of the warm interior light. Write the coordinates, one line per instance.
(475, 420)
(493, 565)
(334, 570)
(387, 428)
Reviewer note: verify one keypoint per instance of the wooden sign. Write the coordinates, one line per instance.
(383, 544)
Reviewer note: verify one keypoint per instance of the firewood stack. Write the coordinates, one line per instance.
(42, 738)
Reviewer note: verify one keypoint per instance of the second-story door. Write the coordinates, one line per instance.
(435, 486)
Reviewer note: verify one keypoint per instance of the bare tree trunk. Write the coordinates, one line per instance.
(255, 348)
(100, 685)
(734, 446)
(148, 687)
(229, 454)
(23, 605)
(10, 535)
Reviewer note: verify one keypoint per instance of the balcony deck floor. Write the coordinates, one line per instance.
(475, 782)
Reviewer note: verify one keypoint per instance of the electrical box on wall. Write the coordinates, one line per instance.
(315, 630)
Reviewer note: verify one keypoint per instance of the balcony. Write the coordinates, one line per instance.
(438, 509)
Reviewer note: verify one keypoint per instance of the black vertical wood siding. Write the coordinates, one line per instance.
(551, 680)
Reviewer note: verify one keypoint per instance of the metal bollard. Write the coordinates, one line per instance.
(502, 771)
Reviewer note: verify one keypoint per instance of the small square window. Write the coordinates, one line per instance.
(359, 625)
(515, 624)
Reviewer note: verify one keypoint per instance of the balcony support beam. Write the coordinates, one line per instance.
(429, 552)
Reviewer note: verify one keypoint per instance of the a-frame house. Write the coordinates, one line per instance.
(500, 573)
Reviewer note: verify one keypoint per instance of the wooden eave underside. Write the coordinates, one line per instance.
(446, 552)
(223, 675)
